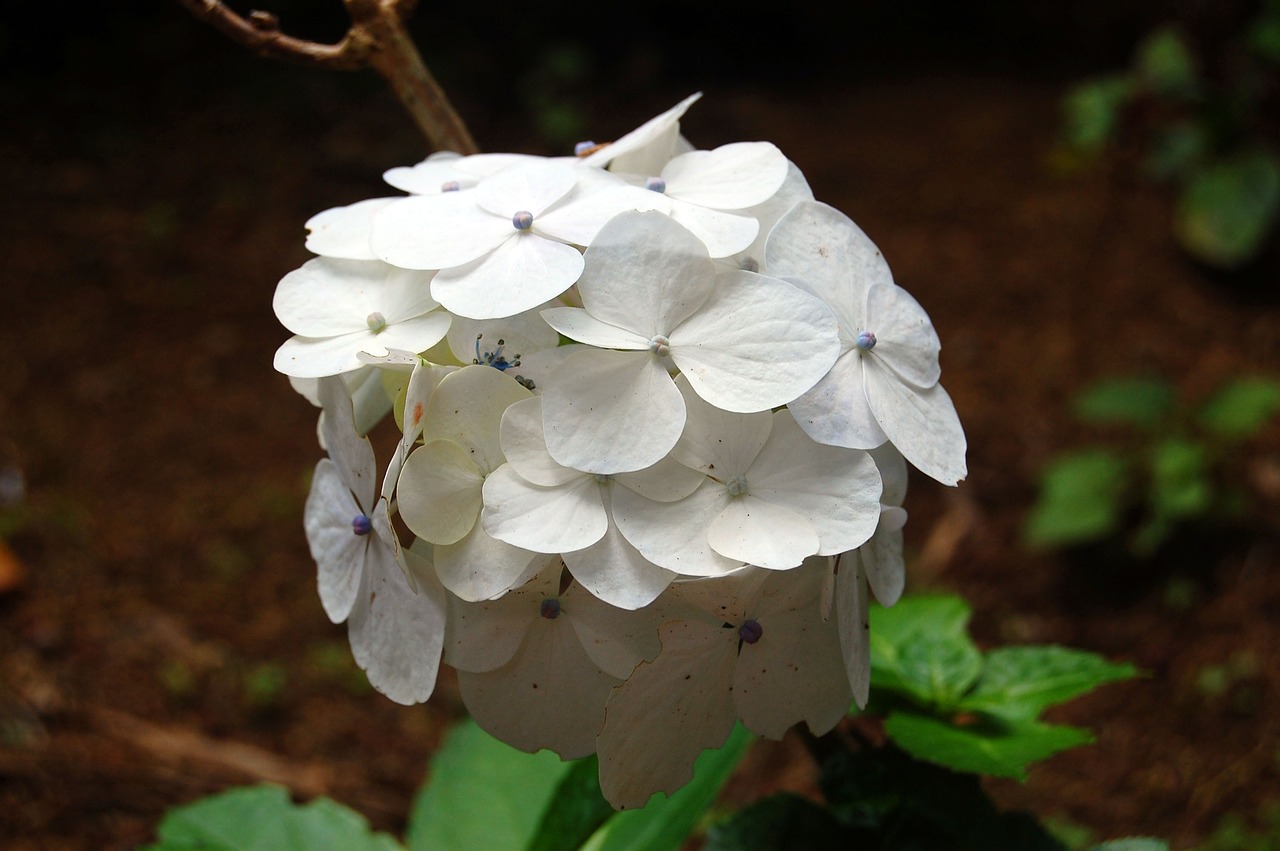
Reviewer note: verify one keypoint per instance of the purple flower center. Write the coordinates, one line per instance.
(549, 608)
(361, 525)
(750, 631)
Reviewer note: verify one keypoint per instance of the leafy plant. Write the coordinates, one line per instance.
(1203, 135)
(948, 703)
(1172, 468)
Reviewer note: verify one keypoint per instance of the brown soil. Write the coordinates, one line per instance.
(161, 637)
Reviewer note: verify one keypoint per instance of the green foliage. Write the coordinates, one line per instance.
(1206, 136)
(1234, 834)
(1132, 843)
(1172, 469)
(948, 703)
(262, 818)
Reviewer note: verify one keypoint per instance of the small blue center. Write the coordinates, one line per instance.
(655, 184)
(522, 220)
(866, 341)
(750, 631)
(361, 525)
(549, 608)
(495, 358)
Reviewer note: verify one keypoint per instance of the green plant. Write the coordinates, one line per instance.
(953, 712)
(1205, 134)
(1173, 465)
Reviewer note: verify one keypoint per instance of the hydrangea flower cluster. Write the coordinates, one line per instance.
(655, 405)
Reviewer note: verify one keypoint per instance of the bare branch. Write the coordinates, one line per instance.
(377, 38)
(261, 34)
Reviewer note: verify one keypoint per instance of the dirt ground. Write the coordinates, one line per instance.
(160, 634)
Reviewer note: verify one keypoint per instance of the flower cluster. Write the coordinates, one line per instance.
(655, 407)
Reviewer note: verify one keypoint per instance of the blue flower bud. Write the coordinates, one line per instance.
(522, 220)
(583, 148)
(750, 631)
(655, 184)
(866, 341)
(450, 186)
(361, 525)
(549, 608)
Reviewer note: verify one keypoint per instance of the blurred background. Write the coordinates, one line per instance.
(1078, 192)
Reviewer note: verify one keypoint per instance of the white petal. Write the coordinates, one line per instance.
(722, 233)
(836, 411)
(757, 343)
(521, 273)
(674, 534)
(485, 635)
(666, 481)
(882, 562)
(645, 273)
(577, 324)
(611, 412)
(338, 552)
(436, 231)
(905, 339)
(893, 472)
(762, 533)
(318, 357)
(480, 567)
(852, 601)
(716, 442)
(837, 490)
(439, 492)
(618, 574)
(644, 135)
(794, 190)
(526, 449)
(550, 695)
(827, 254)
(429, 176)
(397, 635)
(344, 231)
(667, 713)
(328, 297)
(521, 335)
(543, 519)
(351, 453)
(731, 177)
(531, 187)
(578, 218)
(615, 640)
(792, 674)
(922, 424)
(466, 408)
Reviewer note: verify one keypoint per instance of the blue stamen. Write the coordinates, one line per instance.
(522, 220)
(866, 341)
(361, 525)
(495, 358)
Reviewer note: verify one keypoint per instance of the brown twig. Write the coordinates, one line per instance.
(377, 38)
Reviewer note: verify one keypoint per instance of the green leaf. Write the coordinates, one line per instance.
(1092, 111)
(1018, 683)
(785, 822)
(1166, 65)
(483, 794)
(1082, 498)
(666, 822)
(1242, 408)
(1132, 843)
(1177, 150)
(1144, 402)
(577, 809)
(1227, 210)
(987, 745)
(262, 818)
(1180, 483)
(921, 649)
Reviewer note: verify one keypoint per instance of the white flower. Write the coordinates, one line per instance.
(771, 496)
(441, 484)
(396, 634)
(506, 246)
(341, 308)
(536, 503)
(885, 383)
(699, 187)
(646, 149)
(536, 667)
(745, 342)
(761, 653)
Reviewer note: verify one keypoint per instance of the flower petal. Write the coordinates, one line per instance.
(436, 231)
(674, 534)
(611, 412)
(531, 186)
(555, 519)
(653, 130)
(615, 572)
(439, 492)
(905, 339)
(344, 231)
(521, 273)
(466, 407)
(731, 177)
(351, 453)
(481, 568)
(577, 324)
(338, 552)
(836, 411)
(852, 602)
(723, 234)
(922, 424)
(762, 533)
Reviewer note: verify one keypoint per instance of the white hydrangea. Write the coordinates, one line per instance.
(654, 404)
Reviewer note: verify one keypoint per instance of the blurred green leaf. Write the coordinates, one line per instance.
(1082, 498)
(1092, 111)
(482, 793)
(1018, 683)
(1227, 210)
(1264, 35)
(1165, 63)
(1242, 408)
(1177, 150)
(921, 648)
(1180, 483)
(576, 811)
(262, 818)
(1144, 402)
(1132, 843)
(666, 821)
(984, 745)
